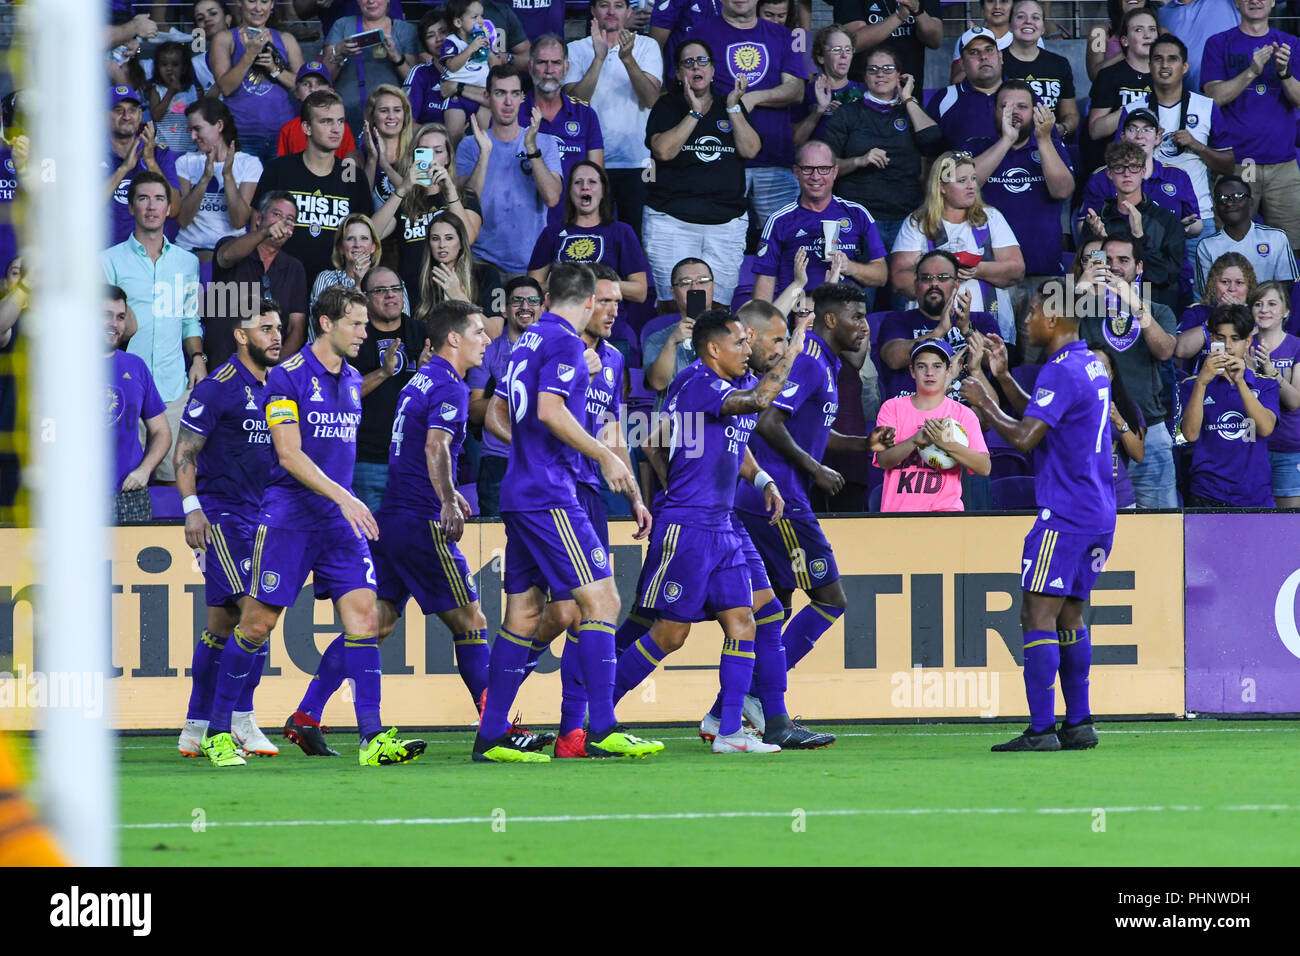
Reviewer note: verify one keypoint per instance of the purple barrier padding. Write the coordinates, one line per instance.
(1243, 649)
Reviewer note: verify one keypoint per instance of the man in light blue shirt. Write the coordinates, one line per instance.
(514, 170)
(161, 281)
(1194, 22)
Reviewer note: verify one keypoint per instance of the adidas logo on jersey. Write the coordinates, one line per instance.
(1056, 583)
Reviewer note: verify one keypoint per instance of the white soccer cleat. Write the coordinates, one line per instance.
(743, 743)
(190, 742)
(708, 728)
(249, 737)
(752, 711)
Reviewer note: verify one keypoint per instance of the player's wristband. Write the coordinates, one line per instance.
(191, 503)
(762, 480)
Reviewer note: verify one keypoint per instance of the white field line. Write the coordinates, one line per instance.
(721, 815)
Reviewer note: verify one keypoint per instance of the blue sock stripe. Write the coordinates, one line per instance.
(461, 642)
(212, 641)
(596, 626)
(653, 653)
(245, 644)
(828, 611)
(515, 638)
(770, 619)
(1046, 640)
(360, 640)
(540, 645)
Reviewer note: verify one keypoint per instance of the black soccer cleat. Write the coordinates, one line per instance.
(510, 747)
(530, 739)
(309, 737)
(1080, 736)
(1030, 742)
(788, 735)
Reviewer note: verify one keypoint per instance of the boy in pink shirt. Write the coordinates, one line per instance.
(910, 483)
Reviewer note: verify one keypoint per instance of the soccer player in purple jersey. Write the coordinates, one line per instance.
(696, 568)
(313, 407)
(793, 436)
(550, 543)
(1067, 421)
(222, 458)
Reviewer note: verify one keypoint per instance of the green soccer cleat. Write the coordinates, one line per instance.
(619, 743)
(221, 750)
(385, 749)
(511, 747)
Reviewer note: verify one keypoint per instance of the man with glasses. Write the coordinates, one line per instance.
(666, 340)
(821, 224)
(940, 314)
(1268, 250)
(965, 110)
(515, 171)
(395, 348)
(524, 299)
(1132, 211)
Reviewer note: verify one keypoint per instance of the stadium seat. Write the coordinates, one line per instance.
(873, 499)
(1009, 464)
(166, 503)
(1014, 494)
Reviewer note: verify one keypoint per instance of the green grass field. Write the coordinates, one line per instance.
(1199, 793)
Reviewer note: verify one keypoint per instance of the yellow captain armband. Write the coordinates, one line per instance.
(282, 411)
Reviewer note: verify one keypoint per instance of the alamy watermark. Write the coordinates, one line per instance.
(39, 690)
(233, 299)
(920, 689)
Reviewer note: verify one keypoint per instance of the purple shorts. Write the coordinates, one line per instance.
(758, 578)
(337, 560)
(228, 561)
(414, 559)
(696, 574)
(593, 504)
(1063, 563)
(555, 550)
(796, 552)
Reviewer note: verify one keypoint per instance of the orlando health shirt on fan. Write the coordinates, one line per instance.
(604, 393)
(811, 396)
(761, 53)
(227, 409)
(327, 409)
(435, 397)
(796, 227)
(548, 357)
(1074, 484)
(1229, 463)
(706, 451)
(1256, 123)
(1018, 189)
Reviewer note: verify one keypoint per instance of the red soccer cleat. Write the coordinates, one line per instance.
(572, 744)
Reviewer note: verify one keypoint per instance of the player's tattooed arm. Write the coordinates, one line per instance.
(188, 445)
(1022, 434)
(750, 400)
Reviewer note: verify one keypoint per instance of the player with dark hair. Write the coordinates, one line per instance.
(794, 434)
(313, 408)
(1067, 422)
(550, 543)
(222, 459)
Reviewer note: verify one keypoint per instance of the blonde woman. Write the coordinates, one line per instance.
(1273, 355)
(954, 219)
(356, 249)
(385, 139)
(1231, 281)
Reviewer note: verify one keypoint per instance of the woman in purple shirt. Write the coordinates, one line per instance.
(1274, 352)
(1231, 281)
(256, 68)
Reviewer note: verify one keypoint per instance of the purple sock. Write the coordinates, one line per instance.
(636, 626)
(505, 674)
(237, 659)
(472, 654)
(361, 663)
(1076, 662)
(245, 702)
(636, 664)
(735, 670)
(804, 629)
(326, 680)
(596, 652)
(573, 696)
(534, 655)
(769, 660)
(203, 683)
(1042, 660)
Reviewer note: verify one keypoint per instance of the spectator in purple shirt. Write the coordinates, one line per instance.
(1247, 72)
(965, 110)
(1274, 352)
(831, 88)
(1231, 281)
(132, 150)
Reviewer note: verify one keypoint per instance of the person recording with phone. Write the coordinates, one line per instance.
(365, 51)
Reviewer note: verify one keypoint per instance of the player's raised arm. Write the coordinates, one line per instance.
(750, 400)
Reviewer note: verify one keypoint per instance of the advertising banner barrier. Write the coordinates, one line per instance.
(931, 631)
(1243, 648)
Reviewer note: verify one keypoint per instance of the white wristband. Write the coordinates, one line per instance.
(191, 503)
(762, 480)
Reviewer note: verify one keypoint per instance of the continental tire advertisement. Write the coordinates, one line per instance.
(931, 631)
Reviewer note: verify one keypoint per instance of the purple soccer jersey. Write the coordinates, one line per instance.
(1286, 436)
(495, 367)
(121, 224)
(1253, 121)
(326, 407)
(132, 397)
(423, 90)
(679, 17)
(963, 113)
(811, 396)
(539, 16)
(1229, 463)
(436, 397)
(706, 451)
(912, 324)
(1018, 189)
(604, 393)
(762, 53)
(1074, 484)
(577, 129)
(796, 227)
(1167, 186)
(226, 408)
(549, 357)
